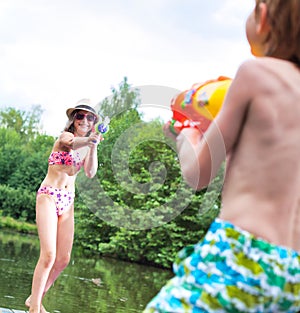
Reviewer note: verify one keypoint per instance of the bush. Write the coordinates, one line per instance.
(17, 203)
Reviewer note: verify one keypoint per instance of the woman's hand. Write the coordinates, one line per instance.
(94, 139)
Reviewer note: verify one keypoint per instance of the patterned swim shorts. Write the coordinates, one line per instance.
(63, 198)
(230, 270)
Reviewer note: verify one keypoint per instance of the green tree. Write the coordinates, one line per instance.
(23, 161)
(121, 107)
(123, 99)
(138, 208)
(35, 165)
(25, 123)
(10, 153)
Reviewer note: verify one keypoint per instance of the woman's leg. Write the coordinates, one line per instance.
(46, 220)
(65, 234)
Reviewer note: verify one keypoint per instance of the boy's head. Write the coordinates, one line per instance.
(283, 17)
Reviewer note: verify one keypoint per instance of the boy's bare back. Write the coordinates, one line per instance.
(262, 187)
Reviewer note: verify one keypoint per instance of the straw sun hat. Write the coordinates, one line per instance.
(85, 105)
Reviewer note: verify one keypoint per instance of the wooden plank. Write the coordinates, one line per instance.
(4, 310)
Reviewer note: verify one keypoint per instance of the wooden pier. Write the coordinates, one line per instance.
(3, 310)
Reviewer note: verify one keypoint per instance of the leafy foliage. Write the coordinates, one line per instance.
(138, 208)
(18, 203)
(121, 101)
(23, 162)
(25, 123)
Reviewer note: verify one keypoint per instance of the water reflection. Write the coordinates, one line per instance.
(87, 284)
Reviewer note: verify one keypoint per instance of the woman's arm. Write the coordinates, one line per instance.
(91, 159)
(69, 141)
(91, 162)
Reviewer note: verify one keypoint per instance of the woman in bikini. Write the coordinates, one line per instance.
(75, 148)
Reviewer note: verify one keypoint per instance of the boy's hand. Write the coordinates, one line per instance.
(167, 131)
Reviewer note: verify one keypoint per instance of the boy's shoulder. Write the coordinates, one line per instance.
(257, 63)
(264, 63)
(262, 68)
(251, 70)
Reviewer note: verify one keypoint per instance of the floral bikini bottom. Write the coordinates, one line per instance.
(63, 198)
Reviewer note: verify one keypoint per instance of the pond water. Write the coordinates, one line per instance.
(90, 285)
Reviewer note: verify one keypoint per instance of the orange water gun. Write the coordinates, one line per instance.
(198, 106)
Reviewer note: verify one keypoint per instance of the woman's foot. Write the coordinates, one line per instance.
(27, 303)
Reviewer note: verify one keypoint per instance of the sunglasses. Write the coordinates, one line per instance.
(81, 116)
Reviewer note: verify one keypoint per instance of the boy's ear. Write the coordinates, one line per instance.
(262, 24)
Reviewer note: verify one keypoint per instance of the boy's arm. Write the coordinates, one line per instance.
(201, 155)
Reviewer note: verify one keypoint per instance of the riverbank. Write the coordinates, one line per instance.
(7, 222)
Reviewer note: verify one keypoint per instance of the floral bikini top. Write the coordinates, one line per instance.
(66, 158)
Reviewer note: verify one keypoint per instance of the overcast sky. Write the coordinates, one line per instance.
(56, 52)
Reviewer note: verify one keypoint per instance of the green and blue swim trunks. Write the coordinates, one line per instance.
(230, 270)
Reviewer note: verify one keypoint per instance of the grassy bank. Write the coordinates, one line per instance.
(7, 222)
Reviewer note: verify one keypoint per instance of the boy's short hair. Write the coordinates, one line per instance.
(284, 37)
